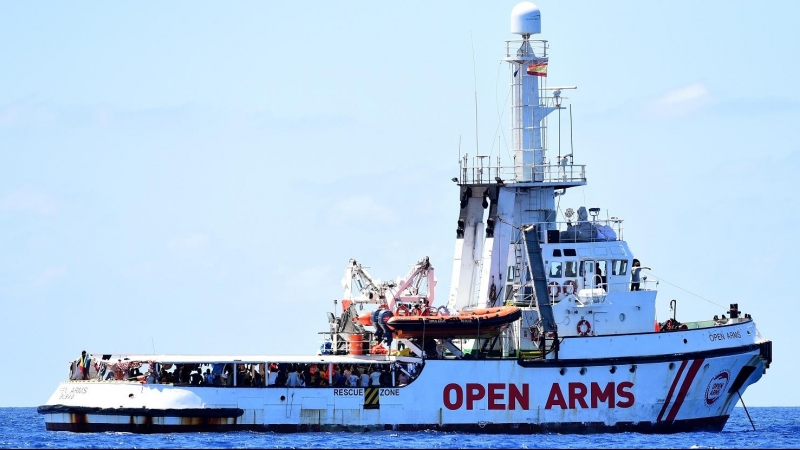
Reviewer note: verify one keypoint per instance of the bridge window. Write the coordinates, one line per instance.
(570, 269)
(619, 267)
(555, 269)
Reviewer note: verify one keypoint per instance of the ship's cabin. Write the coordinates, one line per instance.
(572, 267)
(588, 255)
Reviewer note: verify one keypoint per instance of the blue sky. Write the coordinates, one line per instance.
(192, 177)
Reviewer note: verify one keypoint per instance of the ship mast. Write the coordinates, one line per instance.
(497, 201)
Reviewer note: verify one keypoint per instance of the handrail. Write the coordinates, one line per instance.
(543, 173)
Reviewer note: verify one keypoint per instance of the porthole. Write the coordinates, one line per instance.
(622, 317)
(583, 370)
(671, 365)
(613, 369)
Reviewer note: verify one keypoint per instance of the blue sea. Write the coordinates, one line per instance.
(775, 428)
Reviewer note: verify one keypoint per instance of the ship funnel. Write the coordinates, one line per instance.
(525, 19)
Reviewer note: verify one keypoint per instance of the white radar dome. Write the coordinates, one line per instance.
(525, 19)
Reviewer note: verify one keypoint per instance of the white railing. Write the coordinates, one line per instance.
(598, 232)
(555, 174)
(539, 47)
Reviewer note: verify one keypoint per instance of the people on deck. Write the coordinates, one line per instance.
(376, 377)
(294, 375)
(293, 379)
(257, 378)
(402, 378)
(635, 274)
(195, 377)
(83, 365)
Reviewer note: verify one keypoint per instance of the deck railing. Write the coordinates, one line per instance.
(568, 174)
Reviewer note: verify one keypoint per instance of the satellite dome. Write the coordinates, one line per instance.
(525, 19)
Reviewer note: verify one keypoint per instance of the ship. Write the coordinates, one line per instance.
(550, 326)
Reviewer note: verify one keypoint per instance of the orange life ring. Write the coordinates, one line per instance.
(401, 310)
(553, 288)
(584, 327)
(570, 287)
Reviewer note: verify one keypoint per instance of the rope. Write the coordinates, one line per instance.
(745, 410)
(684, 290)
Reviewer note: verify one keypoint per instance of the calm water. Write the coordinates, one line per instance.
(775, 428)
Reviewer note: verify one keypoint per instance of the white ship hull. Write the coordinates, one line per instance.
(671, 392)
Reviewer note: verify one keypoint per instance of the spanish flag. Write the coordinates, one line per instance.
(539, 69)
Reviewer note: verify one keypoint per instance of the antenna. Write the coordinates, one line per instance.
(459, 149)
(154, 345)
(571, 146)
(475, 80)
(557, 100)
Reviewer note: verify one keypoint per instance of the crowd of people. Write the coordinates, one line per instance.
(279, 374)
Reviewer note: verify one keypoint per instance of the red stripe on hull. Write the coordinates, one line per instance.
(687, 383)
(671, 390)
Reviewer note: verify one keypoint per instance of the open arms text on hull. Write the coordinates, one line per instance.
(549, 326)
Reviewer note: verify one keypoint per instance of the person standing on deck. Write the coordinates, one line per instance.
(376, 377)
(292, 379)
(83, 365)
(635, 280)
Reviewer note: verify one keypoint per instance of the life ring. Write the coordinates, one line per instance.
(570, 287)
(553, 288)
(401, 310)
(584, 327)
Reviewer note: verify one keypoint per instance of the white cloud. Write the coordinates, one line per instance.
(681, 101)
(360, 209)
(190, 242)
(27, 200)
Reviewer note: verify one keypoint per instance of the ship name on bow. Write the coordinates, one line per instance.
(718, 336)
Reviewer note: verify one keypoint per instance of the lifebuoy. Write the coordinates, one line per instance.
(584, 327)
(553, 288)
(570, 287)
(401, 310)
